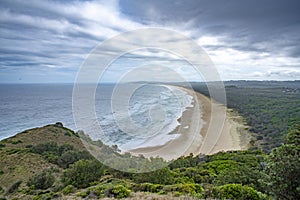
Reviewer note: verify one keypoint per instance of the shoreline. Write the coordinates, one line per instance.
(164, 138)
(201, 136)
(188, 138)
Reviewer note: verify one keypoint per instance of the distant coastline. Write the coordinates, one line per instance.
(188, 140)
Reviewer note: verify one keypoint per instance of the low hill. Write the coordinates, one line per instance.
(51, 162)
(18, 163)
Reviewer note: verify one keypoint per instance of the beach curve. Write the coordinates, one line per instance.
(197, 135)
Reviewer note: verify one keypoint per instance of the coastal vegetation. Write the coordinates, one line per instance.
(64, 169)
(269, 107)
(52, 162)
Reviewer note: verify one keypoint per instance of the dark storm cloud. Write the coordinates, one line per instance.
(60, 32)
(274, 25)
(44, 36)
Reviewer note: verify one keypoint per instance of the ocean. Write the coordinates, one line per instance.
(153, 110)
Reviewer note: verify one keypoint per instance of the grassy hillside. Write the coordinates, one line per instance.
(52, 163)
(18, 163)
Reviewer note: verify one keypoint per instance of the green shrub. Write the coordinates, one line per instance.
(62, 155)
(51, 148)
(235, 191)
(70, 157)
(177, 194)
(283, 168)
(119, 191)
(47, 196)
(57, 186)
(67, 133)
(161, 192)
(117, 188)
(64, 148)
(68, 189)
(82, 194)
(28, 146)
(190, 188)
(82, 172)
(160, 176)
(148, 187)
(45, 148)
(42, 180)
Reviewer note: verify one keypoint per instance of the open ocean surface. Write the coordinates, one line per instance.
(25, 106)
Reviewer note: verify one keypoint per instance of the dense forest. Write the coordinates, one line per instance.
(269, 107)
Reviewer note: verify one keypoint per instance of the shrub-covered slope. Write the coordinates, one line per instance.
(52, 163)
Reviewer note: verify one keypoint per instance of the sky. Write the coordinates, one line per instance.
(48, 41)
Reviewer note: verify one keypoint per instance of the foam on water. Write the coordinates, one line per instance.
(155, 109)
(144, 104)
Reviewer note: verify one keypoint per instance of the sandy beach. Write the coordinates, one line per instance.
(207, 127)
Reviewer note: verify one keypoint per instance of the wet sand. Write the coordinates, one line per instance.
(207, 127)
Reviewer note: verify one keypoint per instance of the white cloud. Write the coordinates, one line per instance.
(208, 40)
(241, 64)
(20, 19)
(60, 35)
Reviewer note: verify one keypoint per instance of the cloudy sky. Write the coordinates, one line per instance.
(48, 41)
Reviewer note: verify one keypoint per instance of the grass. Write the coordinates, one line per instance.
(18, 163)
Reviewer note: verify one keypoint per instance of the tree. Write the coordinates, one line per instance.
(71, 157)
(283, 168)
(82, 173)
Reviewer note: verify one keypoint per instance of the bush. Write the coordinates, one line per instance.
(235, 191)
(47, 196)
(62, 155)
(69, 189)
(51, 148)
(178, 189)
(160, 176)
(64, 148)
(82, 194)
(119, 191)
(42, 180)
(82, 172)
(191, 189)
(283, 168)
(148, 187)
(71, 157)
(45, 148)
